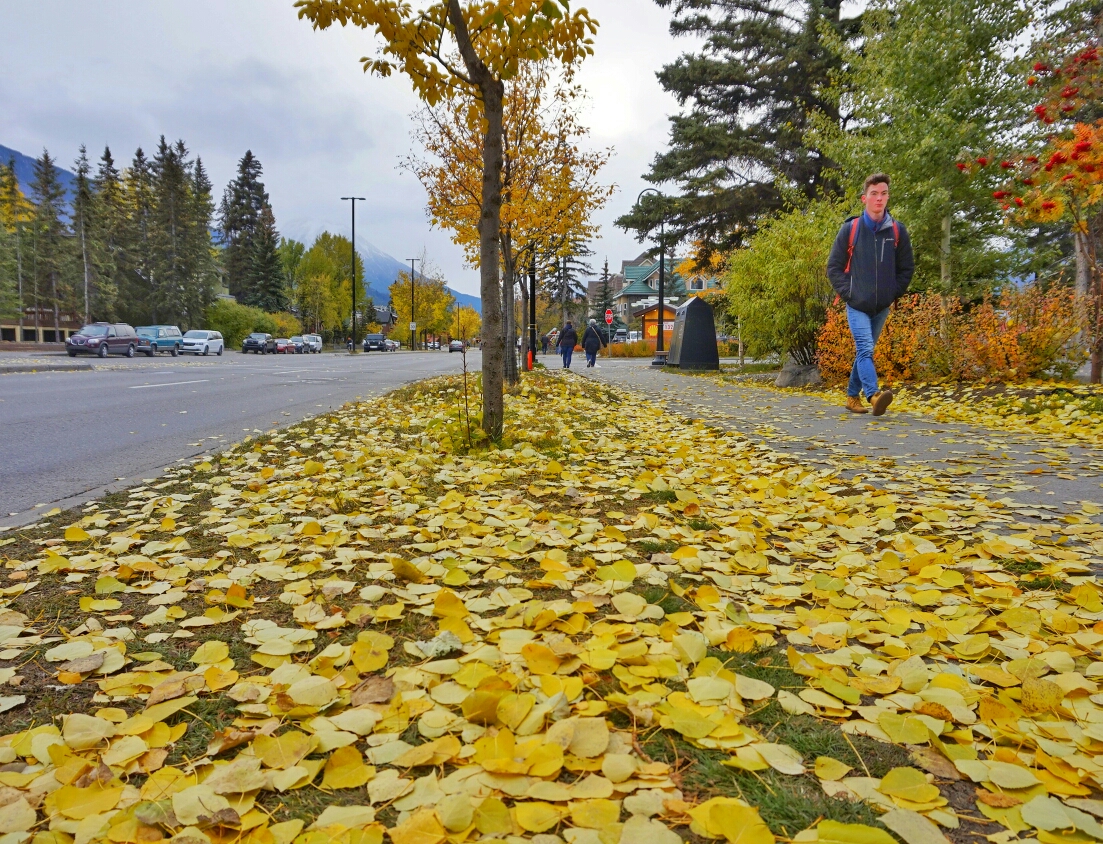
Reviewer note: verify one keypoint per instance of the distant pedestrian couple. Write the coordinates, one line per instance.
(870, 267)
(592, 341)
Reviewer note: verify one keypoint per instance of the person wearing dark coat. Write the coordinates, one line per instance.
(592, 341)
(568, 339)
(544, 345)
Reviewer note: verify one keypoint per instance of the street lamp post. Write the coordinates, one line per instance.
(353, 199)
(532, 308)
(660, 358)
(413, 322)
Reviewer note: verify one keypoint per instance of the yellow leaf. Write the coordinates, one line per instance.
(313, 467)
(908, 784)
(283, 751)
(75, 533)
(493, 818)
(79, 803)
(210, 652)
(828, 768)
(1041, 695)
(345, 768)
(833, 832)
(448, 605)
(537, 816)
(540, 658)
(591, 737)
(422, 827)
(595, 814)
(621, 570)
(407, 571)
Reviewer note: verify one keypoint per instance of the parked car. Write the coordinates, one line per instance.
(107, 338)
(375, 343)
(202, 342)
(393, 345)
(313, 342)
(455, 346)
(620, 335)
(161, 338)
(299, 343)
(258, 343)
(284, 346)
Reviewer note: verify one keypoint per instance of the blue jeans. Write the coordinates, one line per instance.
(566, 352)
(591, 358)
(865, 330)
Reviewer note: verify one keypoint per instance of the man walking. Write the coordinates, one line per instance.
(592, 341)
(870, 266)
(568, 339)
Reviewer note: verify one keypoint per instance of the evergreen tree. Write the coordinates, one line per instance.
(107, 225)
(604, 302)
(138, 302)
(239, 220)
(83, 214)
(199, 251)
(763, 68)
(49, 240)
(265, 283)
(16, 214)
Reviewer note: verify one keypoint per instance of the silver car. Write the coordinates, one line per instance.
(312, 342)
(199, 342)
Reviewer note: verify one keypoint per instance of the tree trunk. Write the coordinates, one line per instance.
(1083, 263)
(944, 255)
(525, 344)
(492, 92)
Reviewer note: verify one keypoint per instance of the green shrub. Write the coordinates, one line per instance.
(236, 321)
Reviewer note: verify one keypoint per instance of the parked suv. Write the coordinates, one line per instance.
(375, 343)
(161, 338)
(104, 338)
(200, 342)
(313, 342)
(455, 346)
(259, 343)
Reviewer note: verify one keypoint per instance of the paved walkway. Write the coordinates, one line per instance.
(1037, 479)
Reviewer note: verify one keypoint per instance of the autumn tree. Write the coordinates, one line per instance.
(473, 46)
(464, 323)
(550, 184)
(432, 303)
(323, 294)
(1058, 178)
(16, 213)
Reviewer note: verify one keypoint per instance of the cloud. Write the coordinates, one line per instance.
(227, 77)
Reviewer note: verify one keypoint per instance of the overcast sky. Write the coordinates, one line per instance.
(231, 75)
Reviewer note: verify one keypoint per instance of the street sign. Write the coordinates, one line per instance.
(609, 317)
(413, 326)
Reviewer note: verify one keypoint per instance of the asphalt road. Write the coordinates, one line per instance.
(68, 437)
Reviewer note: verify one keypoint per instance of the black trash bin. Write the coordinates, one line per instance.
(693, 345)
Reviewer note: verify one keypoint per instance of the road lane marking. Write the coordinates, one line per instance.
(170, 384)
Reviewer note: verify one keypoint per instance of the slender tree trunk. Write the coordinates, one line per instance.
(84, 256)
(53, 288)
(525, 345)
(944, 255)
(1083, 263)
(510, 321)
(492, 92)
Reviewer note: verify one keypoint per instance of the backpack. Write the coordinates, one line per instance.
(854, 236)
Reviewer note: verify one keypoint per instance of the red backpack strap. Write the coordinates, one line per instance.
(850, 246)
(895, 234)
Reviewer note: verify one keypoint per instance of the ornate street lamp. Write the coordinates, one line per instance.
(660, 357)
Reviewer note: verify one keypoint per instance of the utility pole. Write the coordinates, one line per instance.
(413, 322)
(353, 199)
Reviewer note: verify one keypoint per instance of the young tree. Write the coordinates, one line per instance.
(493, 39)
(49, 239)
(464, 323)
(549, 182)
(930, 84)
(16, 214)
(83, 203)
(291, 258)
(763, 69)
(432, 304)
(324, 292)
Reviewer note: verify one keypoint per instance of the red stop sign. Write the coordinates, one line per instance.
(609, 317)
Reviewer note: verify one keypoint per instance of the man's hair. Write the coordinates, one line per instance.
(875, 179)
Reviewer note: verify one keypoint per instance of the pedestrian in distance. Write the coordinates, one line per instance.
(544, 345)
(870, 267)
(568, 339)
(592, 341)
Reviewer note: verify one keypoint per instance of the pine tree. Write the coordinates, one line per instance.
(763, 68)
(239, 220)
(108, 233)
(265, 282)
(604, 302)
(49, 240)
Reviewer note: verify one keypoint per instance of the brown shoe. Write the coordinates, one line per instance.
(854, 405)
(881, 401)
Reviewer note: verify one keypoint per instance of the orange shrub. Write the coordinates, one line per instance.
(637, 349)
(928, 337)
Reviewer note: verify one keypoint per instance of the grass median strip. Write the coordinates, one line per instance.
(615, 625)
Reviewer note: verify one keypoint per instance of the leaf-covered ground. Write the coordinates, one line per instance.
(619, 626)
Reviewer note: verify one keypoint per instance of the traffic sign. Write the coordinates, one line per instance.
(609, 316)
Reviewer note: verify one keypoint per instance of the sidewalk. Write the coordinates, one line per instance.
(1036, 479)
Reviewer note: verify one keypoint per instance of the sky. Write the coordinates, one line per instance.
(248, 74)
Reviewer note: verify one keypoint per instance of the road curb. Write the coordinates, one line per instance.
(47, 367)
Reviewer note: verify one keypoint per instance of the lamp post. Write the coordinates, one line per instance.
(413, 322)
(660, 358)
(353, 200)
(532, 308)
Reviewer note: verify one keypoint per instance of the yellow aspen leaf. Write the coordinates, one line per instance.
(345, 768)
(828, 768)
(512, 708)
(781, 758)
(595, 814)
(540, 659)
(493, 818)
(350, 817)
(79, 803)
(833, 832)
(407, 571)
(217, 679)
(313, 467)
(1008, 775)
(537, 816)
(481, 707)
(908, 784)
(168, 524)
(545, 761)
(16, 816)
(211, 652)
(448, 605)
(590, 739)
(456, 812)
(75, 533)
(283, 751)
(1040, 695)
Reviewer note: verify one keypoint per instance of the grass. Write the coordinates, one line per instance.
(786, 803)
